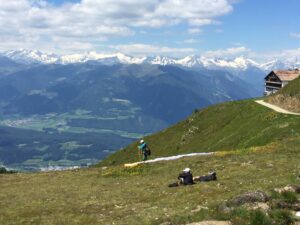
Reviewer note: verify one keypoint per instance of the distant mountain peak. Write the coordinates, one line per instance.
(242, 63)
(31, 56)
(161, 60)
(189, 61)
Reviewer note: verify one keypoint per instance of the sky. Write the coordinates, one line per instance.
(215, 28)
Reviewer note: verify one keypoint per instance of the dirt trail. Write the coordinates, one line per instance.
(276, 108)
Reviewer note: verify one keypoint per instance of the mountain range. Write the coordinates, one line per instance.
(26, 56)
(167, 93)
(59, 104)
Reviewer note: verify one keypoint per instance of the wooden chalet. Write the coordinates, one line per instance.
(277, 79)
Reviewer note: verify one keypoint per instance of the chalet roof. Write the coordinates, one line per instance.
(287, 75)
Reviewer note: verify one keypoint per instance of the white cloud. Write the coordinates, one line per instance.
(295, 35)
(191, 41)
(201, 22)
(202, 11)
(229, 52)
(237, 44)
(146, 50)
(291, 53)
(284, 54)
(194, 30)
(91, 20)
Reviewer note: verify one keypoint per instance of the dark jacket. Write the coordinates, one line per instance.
(187, 178)
(210, 177)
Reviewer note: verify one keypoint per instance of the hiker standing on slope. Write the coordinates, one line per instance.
(144, 149)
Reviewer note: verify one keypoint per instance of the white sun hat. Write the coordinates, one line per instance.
(186, 170)
(142, 141)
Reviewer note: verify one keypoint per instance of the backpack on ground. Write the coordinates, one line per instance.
(148, 151)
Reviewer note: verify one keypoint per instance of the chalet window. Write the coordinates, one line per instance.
(276, 85)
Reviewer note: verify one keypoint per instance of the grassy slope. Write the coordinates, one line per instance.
(288, 97)
(140, 195)
(292, 89)
(232, 125)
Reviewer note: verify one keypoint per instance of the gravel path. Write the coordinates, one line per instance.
(276, 108)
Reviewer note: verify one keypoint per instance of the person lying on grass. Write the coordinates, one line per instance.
(186, 178)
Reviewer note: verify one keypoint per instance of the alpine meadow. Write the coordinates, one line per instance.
(163, 112)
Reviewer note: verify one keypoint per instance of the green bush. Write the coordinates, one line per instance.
(3, 170)
(275, 195)
(289, 197)
(282, 217)
(239, 216)
(196, 111)
(257, 217)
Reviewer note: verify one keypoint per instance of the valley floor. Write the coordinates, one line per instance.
(140, 195)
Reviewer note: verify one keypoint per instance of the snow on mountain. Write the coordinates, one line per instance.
(160, 60)
(190, 61)
(129, 60)
(239, 63)
(35, 56)
(278, 64)
(31, 56)
(234, 64)
(103, 58)
(69, 59)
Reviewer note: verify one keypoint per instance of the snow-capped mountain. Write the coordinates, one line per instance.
(190, 61)
(160, 60)
(278, 64)
(34, 56)
(31, 56)
(103, 58)
(231, 64)
(240, 63)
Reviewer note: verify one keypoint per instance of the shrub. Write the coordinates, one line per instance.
(282, 217)
(3, 170)
(275, 195)
(239, 216)
(289, 197)
(196, 111)
(257, 217)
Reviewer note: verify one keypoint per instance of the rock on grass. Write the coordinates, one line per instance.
(256, 196)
